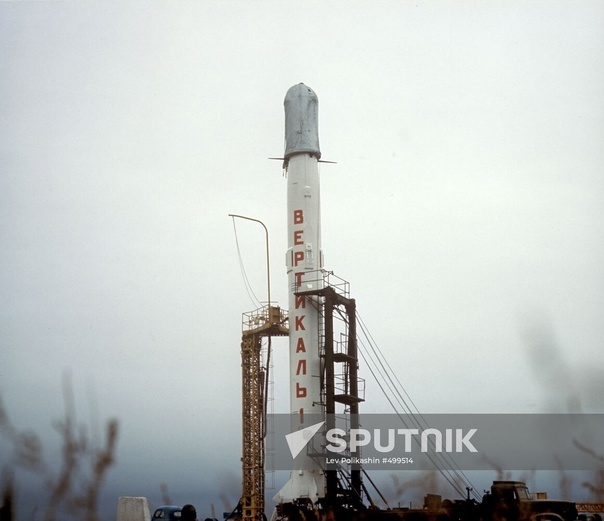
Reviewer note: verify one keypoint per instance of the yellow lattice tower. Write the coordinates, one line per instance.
(263, 323)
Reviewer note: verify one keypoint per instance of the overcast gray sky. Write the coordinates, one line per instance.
(465, 209)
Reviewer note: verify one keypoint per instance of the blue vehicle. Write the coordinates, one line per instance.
(167, 513)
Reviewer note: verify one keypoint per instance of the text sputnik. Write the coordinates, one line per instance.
(430, 439)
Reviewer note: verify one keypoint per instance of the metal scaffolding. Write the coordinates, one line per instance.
(266, 322)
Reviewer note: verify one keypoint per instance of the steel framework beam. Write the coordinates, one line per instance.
(263, 323)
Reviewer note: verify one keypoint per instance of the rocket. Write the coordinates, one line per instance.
(304, 260)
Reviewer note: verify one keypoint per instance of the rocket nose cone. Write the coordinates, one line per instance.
(301, 121)
(300, 91)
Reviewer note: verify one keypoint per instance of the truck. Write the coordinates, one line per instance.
(510, 501)
(506, 501)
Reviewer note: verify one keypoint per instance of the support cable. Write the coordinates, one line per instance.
(377, 364)
(387, 395)
(415, 411)
(248, 288)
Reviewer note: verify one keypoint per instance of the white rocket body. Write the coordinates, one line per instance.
(304, 261)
